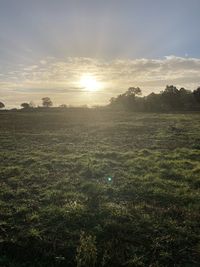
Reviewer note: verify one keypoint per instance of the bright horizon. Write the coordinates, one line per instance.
(85, 52)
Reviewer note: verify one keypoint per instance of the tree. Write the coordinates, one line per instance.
(25, 105)
(133, 91)
(196, 94)
(2, 105)
(153, 102)
(46, 102)
(171, 97)
(127, 100)
(187, 99)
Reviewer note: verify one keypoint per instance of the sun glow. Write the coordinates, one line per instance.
(89, 83)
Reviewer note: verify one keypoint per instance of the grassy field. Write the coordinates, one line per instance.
(99, 188)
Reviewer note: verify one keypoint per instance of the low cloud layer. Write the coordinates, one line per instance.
(60, 79)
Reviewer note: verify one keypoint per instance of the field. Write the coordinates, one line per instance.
(88, 188)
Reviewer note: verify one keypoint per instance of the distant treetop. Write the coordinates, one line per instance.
(46, 102)
(2, 105)
(25, 105)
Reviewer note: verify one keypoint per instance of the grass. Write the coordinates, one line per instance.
(59, 207)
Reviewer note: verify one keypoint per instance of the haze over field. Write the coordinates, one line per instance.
(85, 52)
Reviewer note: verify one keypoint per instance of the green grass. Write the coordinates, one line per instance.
(58, 207)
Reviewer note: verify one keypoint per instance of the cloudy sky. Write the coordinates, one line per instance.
(86, 51)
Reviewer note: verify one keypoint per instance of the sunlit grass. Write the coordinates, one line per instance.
(123, 185)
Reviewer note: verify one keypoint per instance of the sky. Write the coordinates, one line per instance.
(47, 47)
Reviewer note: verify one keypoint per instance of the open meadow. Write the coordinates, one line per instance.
(92, 187)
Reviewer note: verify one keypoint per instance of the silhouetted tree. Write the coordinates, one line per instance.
(153, 102)
(187, 99)
(196, 94)
(127, 100)
(25, 105)
(46, 102)
(133, 91)
(171, 98)
(2, 105)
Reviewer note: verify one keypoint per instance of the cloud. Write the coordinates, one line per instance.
(49, 91)
(60, 79)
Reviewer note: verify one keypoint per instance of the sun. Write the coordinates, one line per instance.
(89, 83)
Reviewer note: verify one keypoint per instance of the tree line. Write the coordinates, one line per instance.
(46, 102)
(171, 99)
